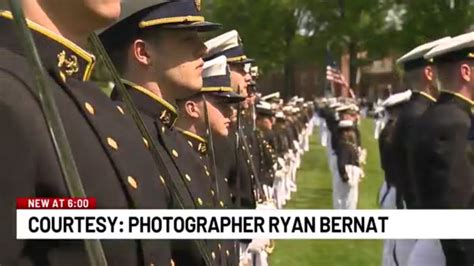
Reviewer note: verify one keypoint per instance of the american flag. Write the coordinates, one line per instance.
(335, 76)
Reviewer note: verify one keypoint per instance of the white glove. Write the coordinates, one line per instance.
(354, 174)
(245, 259)
(281, 162)
(296, 144)
(280, 174)
(258, 245)
(269, 205)
(362, 156)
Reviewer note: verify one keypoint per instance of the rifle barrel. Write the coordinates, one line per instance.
(61, 145)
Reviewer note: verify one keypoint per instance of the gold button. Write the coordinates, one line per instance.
(219, 246)
(199, 200)
(212, 192)
(227, 252)
(221, 203)
(132, 182)
(175, 153)
(187, 177)
(112, 143)
(226, 180)
(172, 262)
(162, 180)
(248, 161)
(163, 129)
(120, 110)
(207, 173)
(89, 108)
(243, 148)
(190, 143)
(146, 142)
(213, 255)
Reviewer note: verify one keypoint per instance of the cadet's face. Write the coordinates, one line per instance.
(240, 79)
(178, 61)
(251, 99)
(219, 117)
(467, 73)
(108, 10)
(346, 116)
(92, 14)
(246, 103)
(233, 117)
(265, 123)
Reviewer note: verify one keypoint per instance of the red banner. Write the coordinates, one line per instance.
(55, 203)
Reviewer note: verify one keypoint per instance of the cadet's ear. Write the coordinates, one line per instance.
(140, 52)
(192, 109)
(429, 74)
(466, 72)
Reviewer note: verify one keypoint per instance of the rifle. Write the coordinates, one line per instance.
(176, 186)
(210, 141)
(241, 138)
(57, 132)
(212, 154)
(260, 195)
(254, 118)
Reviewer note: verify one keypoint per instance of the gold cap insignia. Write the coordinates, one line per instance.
(198, 4)
(470, 55)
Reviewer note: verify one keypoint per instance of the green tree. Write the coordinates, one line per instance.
(282, 34)
(427, 20)
(270, 30)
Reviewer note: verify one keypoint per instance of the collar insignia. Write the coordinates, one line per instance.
(165, 117)
(202, 148)
(68, 65)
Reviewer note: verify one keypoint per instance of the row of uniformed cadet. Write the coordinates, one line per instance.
(339, 119)
(426, 146)
(188, 94)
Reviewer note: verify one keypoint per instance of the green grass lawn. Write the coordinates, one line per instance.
(315, 192)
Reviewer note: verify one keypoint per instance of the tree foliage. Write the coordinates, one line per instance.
(267, 27)
(278, 31)
(427, 20)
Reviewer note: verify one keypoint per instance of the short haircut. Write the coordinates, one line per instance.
(414, 77)
(449, 71)
(118, 51)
